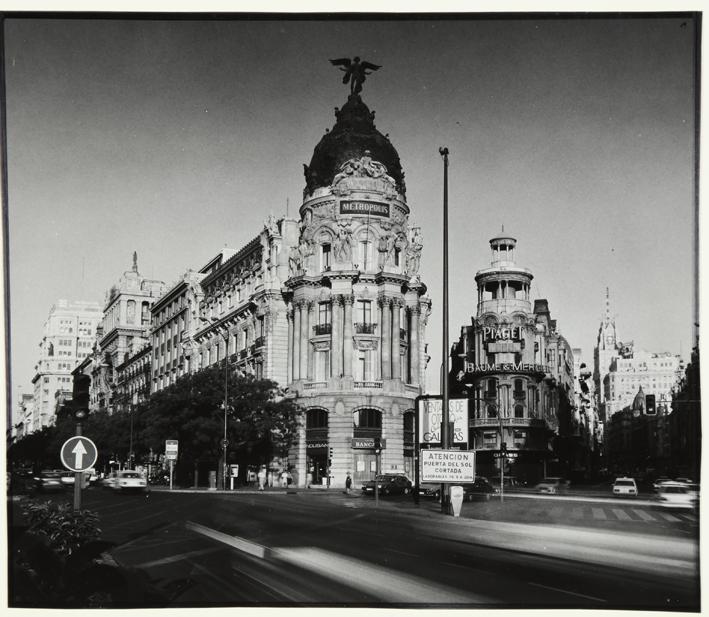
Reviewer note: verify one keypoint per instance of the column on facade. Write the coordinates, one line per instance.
(414, 351)
(296, 341)
(305, 308)
(396, 339)
(289, 367)
(336, 338)
(308, 334)
(386, 337)
(347, 335)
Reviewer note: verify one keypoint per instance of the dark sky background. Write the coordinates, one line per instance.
(176, 138)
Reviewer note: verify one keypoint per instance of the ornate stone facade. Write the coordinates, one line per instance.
(515, 367)
(356, 309)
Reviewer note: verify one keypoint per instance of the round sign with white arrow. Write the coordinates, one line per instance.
(78, 453)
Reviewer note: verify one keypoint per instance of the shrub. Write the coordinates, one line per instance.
(64, 529)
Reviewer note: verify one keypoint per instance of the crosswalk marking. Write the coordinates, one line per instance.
(621, 514)
(577, 513)
(599, 514)
(669, 517)
(644, 515)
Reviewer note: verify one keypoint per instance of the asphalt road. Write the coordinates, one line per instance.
(327, 548)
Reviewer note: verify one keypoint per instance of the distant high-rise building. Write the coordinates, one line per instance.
(68, 338)
(605, 352)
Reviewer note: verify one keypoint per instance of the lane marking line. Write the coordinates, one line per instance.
(393, 550)
(238, 543)
(571, 593)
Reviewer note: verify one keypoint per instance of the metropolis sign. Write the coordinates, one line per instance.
(364, 207)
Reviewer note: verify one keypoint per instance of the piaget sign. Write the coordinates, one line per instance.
(502, 333)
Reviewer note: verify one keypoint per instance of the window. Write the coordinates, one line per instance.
(364, 309)
(364, 259)
(368, 418)
(397, 257)
(326, 256)
(324, 313)
(315, 418)
(322, 365)
(492, 411)
(519, 411)
(490, 438)
(491, 388)
(364, 364)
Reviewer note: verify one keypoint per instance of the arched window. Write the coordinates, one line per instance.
(315, 418)
(519, 411)
(368, 418)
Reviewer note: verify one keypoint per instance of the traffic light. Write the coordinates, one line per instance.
(377, 445)
(80, 393)
(329, 457)
(503, 446)
(650, 405)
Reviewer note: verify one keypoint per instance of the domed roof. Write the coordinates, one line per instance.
(352, 136)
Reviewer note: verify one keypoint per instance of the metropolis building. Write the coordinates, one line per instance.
(332, 308)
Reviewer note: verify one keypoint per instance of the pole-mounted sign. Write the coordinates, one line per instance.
(78, 453)
(171, 449)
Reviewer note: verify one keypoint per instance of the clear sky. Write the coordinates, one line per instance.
(176, 138)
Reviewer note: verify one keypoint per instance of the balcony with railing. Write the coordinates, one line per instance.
(322, 329)
(367, 384)
(495, 422)
(243, 353)
(365, 328)
(259, 342)
(315, 385)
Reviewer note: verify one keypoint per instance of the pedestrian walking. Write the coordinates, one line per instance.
(348, 483)
(262, 477)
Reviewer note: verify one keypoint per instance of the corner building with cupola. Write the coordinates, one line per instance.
(356, 307)
(331, 307)
(518, 373)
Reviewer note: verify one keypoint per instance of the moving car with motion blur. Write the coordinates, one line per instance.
(389, 484)
(552, 486)
(49, 480)
(625, 486)
(675, 495)
(125, 481)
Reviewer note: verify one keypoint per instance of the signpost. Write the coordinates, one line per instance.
(171, 446)
(78, 454)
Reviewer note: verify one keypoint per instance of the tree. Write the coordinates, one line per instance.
(260, 420)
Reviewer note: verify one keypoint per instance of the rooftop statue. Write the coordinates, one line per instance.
(355, 72)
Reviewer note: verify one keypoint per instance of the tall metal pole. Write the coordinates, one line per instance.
(444, 377)
(225, 443)
(130, 447)
(78, 475)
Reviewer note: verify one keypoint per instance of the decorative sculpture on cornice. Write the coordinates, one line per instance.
(348, 299)
(298, 255)
(271, 225)
(362, 167)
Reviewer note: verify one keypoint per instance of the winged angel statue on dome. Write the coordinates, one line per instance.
(355, 72)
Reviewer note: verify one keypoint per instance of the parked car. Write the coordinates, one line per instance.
(126, 480)
(49, 480)
(684, 480)
(509, 482)
(429, 489)
(625, 486)
(675, 495)
(552, 486)
(693, 489)
(481, 489)
(389, 484)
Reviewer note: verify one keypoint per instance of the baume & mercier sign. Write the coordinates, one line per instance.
(505, 367)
